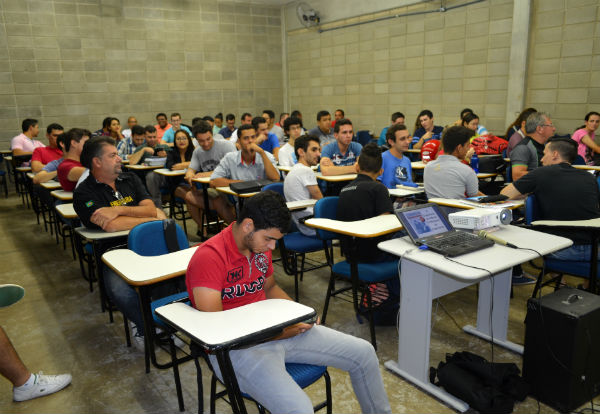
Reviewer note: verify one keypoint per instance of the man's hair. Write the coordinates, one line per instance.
(207, 118)
(93, 148)
(370, 158)
(397, 115)
(338, 124)
(535, 120)
(175, 114)
(342, 111)
(589, 114)
(59, 127)
(566, 148)
(245, 115)
(138, 130)
(257, 120)
(149, 129)
(455, 136)
(230, 117)
(267, 210)
(219, 116)
(196, 119)
(270, 113)
(425, 112)
(390, 135)
(161, 114)
(245, 127)
(60, 141)
(465, 111)
(75, 134)
(282, 115)
(469, 116)
(296, 113)
(106, 122)
(321, 114)
(292, 120)
(201, 127)
(303, 142)
(27, 123)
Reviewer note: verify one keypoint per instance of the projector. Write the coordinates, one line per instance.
(480, 218)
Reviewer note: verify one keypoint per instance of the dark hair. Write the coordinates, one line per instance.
(321, 114)
(465, 111)
(60, 141)
(106, 122)
(207, 118)
(161, 114)
(150, 129)
(390, 135)
(566, 147)
(469, 116)
(517, 123)
(370, 158)
(292, 120)
(257, 120)
(245, 115)
(114, 119)
(267, 210)
(587, 116)
(297, 114)
(75, 134)
(28, 123)
(425, 112)
(138, 130)
(341, 122)
(195, 120)
(201, 127)
(230, 117)
(282, 115)
(455, 136)
(93, 148)
(270, 113)
(175, 114)
(59, 127)
(190, 148)
(245, 127)
(397, 115)
(219, 116)
(342, 111)
(302, 143)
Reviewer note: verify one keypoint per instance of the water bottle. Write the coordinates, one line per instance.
(475, 163)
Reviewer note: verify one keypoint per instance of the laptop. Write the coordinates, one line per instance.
(428, 226)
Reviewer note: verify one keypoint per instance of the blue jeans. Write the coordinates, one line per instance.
(575, 253)
(124, 297)
(260, 370)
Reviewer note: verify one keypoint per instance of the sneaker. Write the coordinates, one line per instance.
(137, 340)
(523, 279)
(43, 385)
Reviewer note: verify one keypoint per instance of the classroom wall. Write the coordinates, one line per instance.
(78, 61)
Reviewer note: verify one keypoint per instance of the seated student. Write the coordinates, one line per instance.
(218, 124)
(585, 137)
(323, 128)
(396, 166)
(244, 248)
(293, 129)
(70, 169)
(168, 137)
(114, 130)
(162, 125)
(43, 155)
(518, 134)
(527, 155)
(447, 176)
(272, 127)
(180, 159)
(478, 128)
(150, 147)
(397, 118)
(301, 183)
(127, 146)
(112, 200)
(562, 193)
(245, 119)
(49, 171)
(340, 157)
(24, 143)
(266, 140)
(131, 122)
(427, 130)
(229, 126)
(363, 198)
(204, 160)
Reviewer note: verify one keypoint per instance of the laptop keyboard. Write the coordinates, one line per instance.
(452, 240)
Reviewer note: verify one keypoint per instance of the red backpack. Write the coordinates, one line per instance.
(488, 145)
(429, 150)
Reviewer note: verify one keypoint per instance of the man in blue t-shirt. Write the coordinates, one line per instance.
(265, 139)
(397, 118)
(340, 157)
(396, 166)
(427, 130)
(169, 135)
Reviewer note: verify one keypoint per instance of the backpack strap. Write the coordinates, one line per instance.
(170, 232)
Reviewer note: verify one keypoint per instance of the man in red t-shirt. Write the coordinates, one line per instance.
(234, 269)
(71, 169)
(43, 155)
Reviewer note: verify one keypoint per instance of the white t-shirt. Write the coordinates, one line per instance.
(294, 188)
(287, 157)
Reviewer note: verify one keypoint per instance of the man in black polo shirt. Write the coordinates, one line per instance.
(363, 198)
(527, 155)
(562, 193)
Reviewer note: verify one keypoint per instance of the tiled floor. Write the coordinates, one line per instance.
(58, 327)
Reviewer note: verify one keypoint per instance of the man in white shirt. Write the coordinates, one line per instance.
(301, 182)
(293, 129)
(273, 128)
(131, 122)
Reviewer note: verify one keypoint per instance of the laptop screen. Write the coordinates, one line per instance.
(423, 221)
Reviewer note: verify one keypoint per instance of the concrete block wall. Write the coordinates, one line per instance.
(564, 63)
(77, 61)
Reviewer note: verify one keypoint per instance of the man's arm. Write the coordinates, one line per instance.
(19, 151)
(124, 217)
(43, 176)
(590, 143)
(36, 166)
(75, 174)
(273, 291)
(327, 168)
(518, 171)
(511, 192)
(271, 172)
(137, 156)
(222, 182)
(315, 192)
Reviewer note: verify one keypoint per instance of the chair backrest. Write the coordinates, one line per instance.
(277, 187)
(508, 177)
(579, 160)
(363, 137)
(326, 208)
(532, 209)
(149, 239)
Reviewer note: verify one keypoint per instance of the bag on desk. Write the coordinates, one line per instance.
(490, 388)
(252, 186)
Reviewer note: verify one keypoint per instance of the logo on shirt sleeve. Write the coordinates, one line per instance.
(89, 204)
(262, 263)
(235, 275)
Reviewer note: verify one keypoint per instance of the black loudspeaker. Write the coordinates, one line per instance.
(561, 361)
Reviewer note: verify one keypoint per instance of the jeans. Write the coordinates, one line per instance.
(154, 182)
(260, 370)
(125, 298)
(575, 253)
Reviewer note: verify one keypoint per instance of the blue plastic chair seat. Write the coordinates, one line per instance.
(303, 374)
(165, 301)
(301, 243)
(369, 272)
(89, 249)
(581, 269)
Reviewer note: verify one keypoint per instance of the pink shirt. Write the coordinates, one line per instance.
(582, 149)
(24, 143)
(161, 131)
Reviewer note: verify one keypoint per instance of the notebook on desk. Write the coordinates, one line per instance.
(428, 226)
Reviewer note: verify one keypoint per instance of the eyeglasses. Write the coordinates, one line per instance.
(547, 125)
(181, 139)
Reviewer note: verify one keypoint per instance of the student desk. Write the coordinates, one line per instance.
(427, 275)
(587, 167)
(51, 185)
(240, 197)
(300, 204)
(460, 203)
(404, 191)
(334, 182)
(30, 175)
(371, 227)
(287, 168)
(170, 173)
(62, 195)
(67, 211)
(220, 332)
(142, 167)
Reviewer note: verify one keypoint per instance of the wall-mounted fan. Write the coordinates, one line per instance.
(308, 16)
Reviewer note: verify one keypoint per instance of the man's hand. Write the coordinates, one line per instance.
(261, 138)
(104, 215)
(293, 330)
(161, 153)
(254, 147)
(149, 150)
(427, 135)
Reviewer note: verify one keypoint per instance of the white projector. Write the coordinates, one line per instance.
(480, 218)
